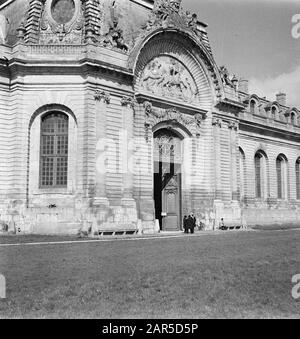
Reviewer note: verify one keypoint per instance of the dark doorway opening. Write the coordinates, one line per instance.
(167, 180)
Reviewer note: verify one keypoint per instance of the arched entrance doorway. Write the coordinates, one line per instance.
(167, 179)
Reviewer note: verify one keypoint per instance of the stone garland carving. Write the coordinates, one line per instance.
(233, 125)
(127, 101)
(167, 77)
(102, 95)
(217, 122)
(155, 116)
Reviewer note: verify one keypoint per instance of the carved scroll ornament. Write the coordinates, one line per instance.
(156, 115)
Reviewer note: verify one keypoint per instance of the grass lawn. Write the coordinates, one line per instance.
(240, 274)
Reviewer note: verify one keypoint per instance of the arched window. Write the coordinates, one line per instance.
(260, 162)
(274, 112)
(252, 106)
(258, 165)
(54, 150)
(242, 175)
(298, 179)
(281, 171)
(293, 119)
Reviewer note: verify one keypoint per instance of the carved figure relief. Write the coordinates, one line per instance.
(226, 77)
(62, 21)
(114, 38)
(167, 77)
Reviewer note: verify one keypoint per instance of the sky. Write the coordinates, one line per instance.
(253, 38)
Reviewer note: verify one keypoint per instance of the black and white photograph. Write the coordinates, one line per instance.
(149, 162)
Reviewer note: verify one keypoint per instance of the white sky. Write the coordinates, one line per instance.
(253, 39)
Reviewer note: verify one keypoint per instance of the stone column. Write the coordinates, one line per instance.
(217, 125)
(234, 160)
(127, 149)
(102, 99)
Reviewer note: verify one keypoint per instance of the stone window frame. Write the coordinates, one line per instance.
(55, 156)
(34, 187)
(263, 184)
(253, 108)
(294, 118)
(282, 182)
(297, 172)
(242, 174)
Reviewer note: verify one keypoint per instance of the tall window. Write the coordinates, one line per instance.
(293, 119)
(54, 150)
(274, 112)
(258, 175)
(298, 179)
(242, 175)
(281, 170)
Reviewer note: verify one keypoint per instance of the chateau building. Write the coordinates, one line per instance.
(114, 116)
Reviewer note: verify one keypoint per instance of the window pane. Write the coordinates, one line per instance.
(47, 171)
(298, 179)
(54, 150)
(258, 175)
(279, 177)
(61, 171)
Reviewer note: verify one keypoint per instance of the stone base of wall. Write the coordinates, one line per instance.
(271, 217)
(84, 217)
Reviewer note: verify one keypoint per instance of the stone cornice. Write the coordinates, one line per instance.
(265, 130)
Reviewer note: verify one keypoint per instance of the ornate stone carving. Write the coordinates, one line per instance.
(62, 21)
(233, 125)
(173, 116)
(216, 122)
(167, 77)
(102, 95)
(226, 78)
(127, 101)
(168, 13)
(114, 38)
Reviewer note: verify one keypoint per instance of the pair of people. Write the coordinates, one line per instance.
(189, 223)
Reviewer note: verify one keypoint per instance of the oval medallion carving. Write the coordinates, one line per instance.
(63, 11)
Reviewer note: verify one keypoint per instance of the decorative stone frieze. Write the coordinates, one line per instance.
(156, 115)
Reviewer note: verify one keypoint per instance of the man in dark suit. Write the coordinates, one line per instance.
(192, 222)
(185, 224)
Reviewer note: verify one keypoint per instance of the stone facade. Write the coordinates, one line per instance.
(125, 73)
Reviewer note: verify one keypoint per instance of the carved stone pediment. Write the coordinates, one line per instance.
(167, 77)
